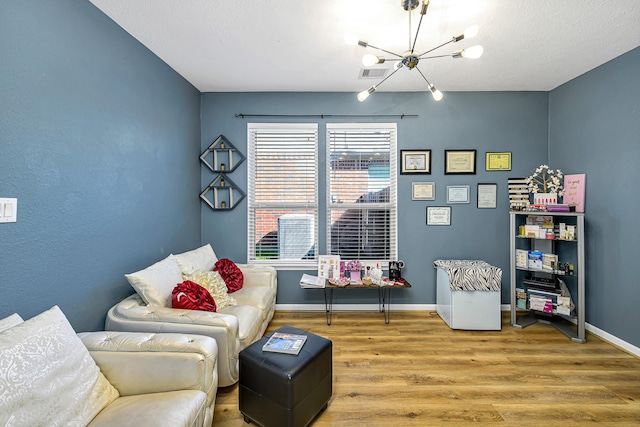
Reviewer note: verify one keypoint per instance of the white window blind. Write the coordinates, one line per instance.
(361, 191)
(283, 192)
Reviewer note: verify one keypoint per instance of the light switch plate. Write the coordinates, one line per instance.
(8, 210)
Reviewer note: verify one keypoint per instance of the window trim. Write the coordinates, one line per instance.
(321, 169)
(251, 205)
(393, 182)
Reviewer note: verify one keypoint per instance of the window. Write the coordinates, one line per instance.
(283, 192)
(361, 191)
(284, 178)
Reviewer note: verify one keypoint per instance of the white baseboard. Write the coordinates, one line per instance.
(611, 339)
(432, 307)
(363, 307)
(354, 307)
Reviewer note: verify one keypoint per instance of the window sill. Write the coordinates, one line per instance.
(301, 266)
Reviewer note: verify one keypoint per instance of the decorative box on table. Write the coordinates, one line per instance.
(468, 294)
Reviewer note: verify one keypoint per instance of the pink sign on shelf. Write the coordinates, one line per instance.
(574, 187)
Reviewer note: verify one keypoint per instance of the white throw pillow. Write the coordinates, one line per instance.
(10, 321)
(155, 283)
(202, 258)
(47, 375)
(212, 281)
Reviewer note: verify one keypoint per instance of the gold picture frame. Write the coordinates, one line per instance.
(461, 162)
(498, 161)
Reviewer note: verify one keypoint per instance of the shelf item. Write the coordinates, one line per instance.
(518, 193)
(541, 291)
(562, 273)
(222, 156)
(222, 193)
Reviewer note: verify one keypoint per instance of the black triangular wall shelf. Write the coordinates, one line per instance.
(222, 156)
(222, 193)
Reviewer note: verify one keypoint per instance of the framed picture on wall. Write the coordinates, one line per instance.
(438, 215)
(415, 161)
(423, 191)
(460, 162)
(457, 194)
(487, 195)
(498, 161)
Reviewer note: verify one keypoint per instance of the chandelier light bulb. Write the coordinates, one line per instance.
(437, 95)
(365, 93)
(473, 52)
(368, 60)
(471, 32)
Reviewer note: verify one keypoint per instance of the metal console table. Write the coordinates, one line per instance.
(384, 297)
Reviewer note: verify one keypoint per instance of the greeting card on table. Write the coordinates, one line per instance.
(574, 187)
(329, 266)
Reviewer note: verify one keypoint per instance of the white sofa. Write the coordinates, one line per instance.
(51, 376)
(233, 327)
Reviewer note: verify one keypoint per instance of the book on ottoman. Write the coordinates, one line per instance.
(285, 343)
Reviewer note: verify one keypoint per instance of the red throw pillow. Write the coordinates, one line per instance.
(230, 273)
(191, 296)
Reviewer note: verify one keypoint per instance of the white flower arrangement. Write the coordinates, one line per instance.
(545, 180)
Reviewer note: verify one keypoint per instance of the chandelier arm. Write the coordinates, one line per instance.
(417, 32)
(437, 56)
(385, 79)
(409, 14)
(437, 47)
(383, 50)
(425, 79)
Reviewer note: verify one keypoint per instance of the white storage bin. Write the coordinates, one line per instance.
(477, 309)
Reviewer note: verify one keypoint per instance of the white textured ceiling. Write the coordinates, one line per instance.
(298, 45)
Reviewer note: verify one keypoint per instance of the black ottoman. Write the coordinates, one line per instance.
(277, 389)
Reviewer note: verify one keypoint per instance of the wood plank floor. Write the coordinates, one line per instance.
(416, 371)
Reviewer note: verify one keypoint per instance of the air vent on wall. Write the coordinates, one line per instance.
(373, 73)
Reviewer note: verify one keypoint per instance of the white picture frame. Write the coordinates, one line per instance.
(457, 194)
(423, 191)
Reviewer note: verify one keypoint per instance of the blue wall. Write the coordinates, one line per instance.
(595, 129)
(99, 141)
(485, 121)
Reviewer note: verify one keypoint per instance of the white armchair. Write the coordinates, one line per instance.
(163, 379)
(52, 376)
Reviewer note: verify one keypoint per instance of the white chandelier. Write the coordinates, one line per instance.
(410, 59)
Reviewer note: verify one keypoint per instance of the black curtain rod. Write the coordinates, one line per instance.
(322, 116)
